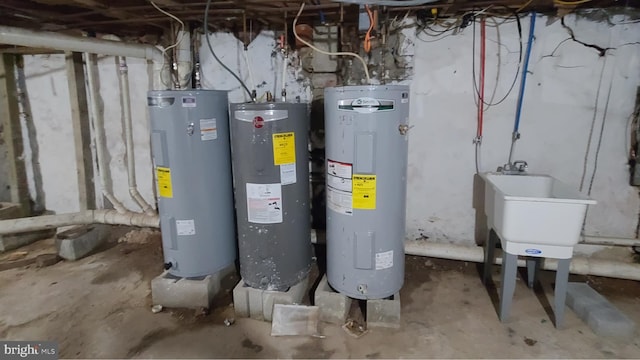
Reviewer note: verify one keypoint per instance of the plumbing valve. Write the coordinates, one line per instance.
(518, 167)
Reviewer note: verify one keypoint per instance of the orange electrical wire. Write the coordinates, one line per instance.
(367, 37)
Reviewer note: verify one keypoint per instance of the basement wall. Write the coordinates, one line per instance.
(558, 113)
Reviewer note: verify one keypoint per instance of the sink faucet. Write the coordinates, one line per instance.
(518, 167)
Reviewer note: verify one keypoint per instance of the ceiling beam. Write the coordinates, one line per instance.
(19, 50)
(109, 11)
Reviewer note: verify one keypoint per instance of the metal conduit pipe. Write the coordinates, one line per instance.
(125, 100)
(111, 217)
(98, 125)
(579, 265)
(51, 40)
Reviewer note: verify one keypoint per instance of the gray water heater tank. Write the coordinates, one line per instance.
(271, 177)
(192, 160)
(366, 150)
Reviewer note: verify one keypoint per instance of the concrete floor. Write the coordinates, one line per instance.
(99, 307)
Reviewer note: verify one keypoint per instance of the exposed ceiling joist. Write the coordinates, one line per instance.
(135, 18)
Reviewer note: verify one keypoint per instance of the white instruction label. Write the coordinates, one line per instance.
(208, 129)
(384, 260)
(189, 101)
(340, 183)
(339, 187)
(339, 201)
(264, 203)
(288, 174)
(185, 227)
(335, 168)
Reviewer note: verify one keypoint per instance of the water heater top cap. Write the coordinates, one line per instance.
(186, 92)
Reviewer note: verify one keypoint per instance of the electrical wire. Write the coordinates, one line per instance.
(422, 28)
(483, 38)
(178, 41)
(174, 18)
(206, 35)
(570, 3)
(478, 139)
(600, 136)
(430, 41)
(339, 53)
(523, 6)
(389, 2)
(498, 61)
(515, 78)
(595, 160)
(593, 124)
(367, 37)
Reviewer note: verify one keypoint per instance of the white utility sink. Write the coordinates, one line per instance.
(534, 215)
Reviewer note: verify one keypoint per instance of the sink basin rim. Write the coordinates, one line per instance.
(578, 199)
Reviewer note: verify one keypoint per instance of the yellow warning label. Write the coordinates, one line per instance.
(284, 148)
(364, 192)
(164, 182)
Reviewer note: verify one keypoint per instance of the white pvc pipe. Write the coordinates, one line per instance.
(51, 40)
(125, 100)
(249, 68)
(579, 265)
(609, 241)
(98, 127)
(184, 59)
(111, 217)
(129, 218)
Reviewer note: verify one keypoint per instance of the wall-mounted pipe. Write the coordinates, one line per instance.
(283, 92)
(609, 241)
(525, 70)
(111, 217)
(184, 60)
(98, 127)
(483, 57)
(51, 40)
(480, 93)
(125, 100)
(579, 265)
